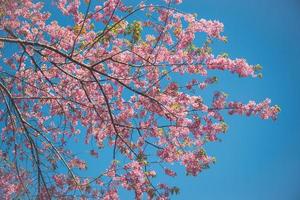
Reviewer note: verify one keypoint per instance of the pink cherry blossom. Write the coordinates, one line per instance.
(108, 85)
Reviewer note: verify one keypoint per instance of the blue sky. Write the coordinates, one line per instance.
(256, 160)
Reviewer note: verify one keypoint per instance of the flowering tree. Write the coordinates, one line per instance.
(110, 80)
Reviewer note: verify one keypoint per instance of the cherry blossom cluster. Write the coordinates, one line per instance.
(117, 78)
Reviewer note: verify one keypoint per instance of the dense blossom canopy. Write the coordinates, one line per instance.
(117, 80)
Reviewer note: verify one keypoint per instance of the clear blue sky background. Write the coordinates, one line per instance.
(257, 160)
